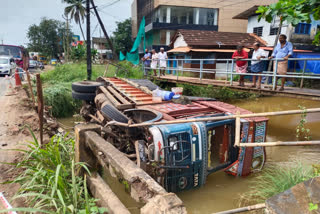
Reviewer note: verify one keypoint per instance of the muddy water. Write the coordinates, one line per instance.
(222, 191)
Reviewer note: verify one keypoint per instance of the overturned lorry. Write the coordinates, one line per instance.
(178, 156)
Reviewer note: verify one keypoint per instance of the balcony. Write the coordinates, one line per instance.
(175, 26)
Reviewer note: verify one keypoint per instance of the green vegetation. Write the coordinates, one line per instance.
(57, 83)
(274, 180)
(45, 37)
(49, 182)
(303, 133)
(223, 94)
(292, 12)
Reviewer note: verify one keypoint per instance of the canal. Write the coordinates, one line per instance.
(222, 191)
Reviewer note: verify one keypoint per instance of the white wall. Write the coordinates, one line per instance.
(253, 22)
(180, 42)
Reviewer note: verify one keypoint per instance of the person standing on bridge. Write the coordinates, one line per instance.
(163, 62)
(257, 66)
(241, 66)
(154, 62)
(283, 50)
(147, 60)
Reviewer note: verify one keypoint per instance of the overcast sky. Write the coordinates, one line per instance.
(17, 15)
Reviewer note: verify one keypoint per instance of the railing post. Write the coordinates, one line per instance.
(201, 67)
(227, 69)
(182, 66)
(275, 75)
(303, 71)
(231, 77)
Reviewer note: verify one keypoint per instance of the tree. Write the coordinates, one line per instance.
(122, 40)
(77, 12)
(293, 12)
(47, 37)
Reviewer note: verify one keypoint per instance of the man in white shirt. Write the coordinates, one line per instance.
(257, 66)
(163, 62)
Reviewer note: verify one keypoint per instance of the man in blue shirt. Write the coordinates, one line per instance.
(147, 60)
(283, 50)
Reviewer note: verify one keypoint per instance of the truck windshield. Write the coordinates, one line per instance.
(13, 51)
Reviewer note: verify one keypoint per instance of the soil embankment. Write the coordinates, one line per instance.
(16, 113)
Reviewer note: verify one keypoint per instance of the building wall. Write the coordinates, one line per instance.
(253, 22)
(180, 42)
(227, 9)
(286, 29)
(305, 38)
(134, 18)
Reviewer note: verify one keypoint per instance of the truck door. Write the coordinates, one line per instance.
(221, 152)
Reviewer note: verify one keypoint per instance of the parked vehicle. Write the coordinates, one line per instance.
(178, 156)
(43, 59)
(41, 65)
(54, 62)
(18, 53)
(33, 64)
(7, 65)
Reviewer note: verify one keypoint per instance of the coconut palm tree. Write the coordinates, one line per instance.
(77, 12)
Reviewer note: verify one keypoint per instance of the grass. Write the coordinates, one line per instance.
(50, 183)
(223, 94)
(274, 180)
(57, 83)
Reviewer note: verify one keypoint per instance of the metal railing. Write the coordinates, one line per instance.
(237, 118)
(229, 70)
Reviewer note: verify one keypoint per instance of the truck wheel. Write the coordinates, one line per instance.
(83, 96)
(86, 86)
(111, 113)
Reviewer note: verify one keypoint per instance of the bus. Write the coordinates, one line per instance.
(18, 53)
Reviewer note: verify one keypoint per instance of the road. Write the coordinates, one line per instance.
(4, 85)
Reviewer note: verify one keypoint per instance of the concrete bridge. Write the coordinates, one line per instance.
(294, 92)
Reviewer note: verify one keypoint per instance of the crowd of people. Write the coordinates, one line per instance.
(283, 50)
(153, 59)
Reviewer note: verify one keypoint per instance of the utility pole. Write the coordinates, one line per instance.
(104, 30)
(66, 39)
(89, 66)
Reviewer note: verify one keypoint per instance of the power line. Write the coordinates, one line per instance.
(110, 4)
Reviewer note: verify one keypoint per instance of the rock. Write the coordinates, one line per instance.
(296, 200)
(60, 130)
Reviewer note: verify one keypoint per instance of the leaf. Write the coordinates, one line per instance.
(313, 207)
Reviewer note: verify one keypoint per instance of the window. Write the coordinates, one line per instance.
(274, 31)
(258, 31)
(303, 28)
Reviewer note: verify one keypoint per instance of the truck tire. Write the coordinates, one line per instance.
(83, 96)
(111, 113)
(86, 86)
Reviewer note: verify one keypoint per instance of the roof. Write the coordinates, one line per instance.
(294, 50)
(247, 13)
(179, 50)
(218, 39)
(188, 49)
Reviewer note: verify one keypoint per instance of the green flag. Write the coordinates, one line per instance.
(133, 55)
(122, 56)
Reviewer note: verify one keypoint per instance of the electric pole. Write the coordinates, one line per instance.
(89, 66)
(66, 39)
(104, 30)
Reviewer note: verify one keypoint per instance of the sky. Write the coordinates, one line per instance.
(17, 15)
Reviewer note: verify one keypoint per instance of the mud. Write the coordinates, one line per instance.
(16, 115)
